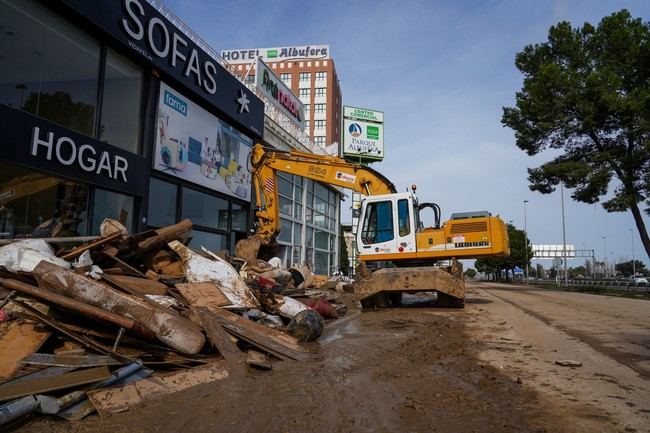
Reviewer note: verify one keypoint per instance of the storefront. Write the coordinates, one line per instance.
(108, 110)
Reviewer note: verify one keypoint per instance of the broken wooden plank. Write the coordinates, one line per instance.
(265, 338)
(53, 360)
(46, 384)
(125, 397)
(21, 339)
(164, 235)
(89, 246)
(111, 252)
(169, 327)
(220, 339)
(258, 360)
(202, 294)
(136, 286)
(75, 305)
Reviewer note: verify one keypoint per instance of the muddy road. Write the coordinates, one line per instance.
(490, 367)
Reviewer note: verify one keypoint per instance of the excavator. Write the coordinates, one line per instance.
(398, 254)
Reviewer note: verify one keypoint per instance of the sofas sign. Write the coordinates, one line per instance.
(279, 94)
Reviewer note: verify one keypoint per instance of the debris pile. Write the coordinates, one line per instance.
(116, 322)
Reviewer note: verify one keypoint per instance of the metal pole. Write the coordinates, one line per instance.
(566, 277)
(606, 270)
(633, 262)
(526, 241)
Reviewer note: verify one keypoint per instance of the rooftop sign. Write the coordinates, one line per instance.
(277, 54)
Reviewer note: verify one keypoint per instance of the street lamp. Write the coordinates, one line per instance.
(566, 277)
(526, 241)
(633, 262)
(605, 256)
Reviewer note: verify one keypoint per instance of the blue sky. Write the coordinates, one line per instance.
(441, 71)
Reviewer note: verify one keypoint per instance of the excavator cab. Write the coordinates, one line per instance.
(390, 229)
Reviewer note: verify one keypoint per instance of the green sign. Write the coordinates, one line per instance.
(372, 132)
(272, 53)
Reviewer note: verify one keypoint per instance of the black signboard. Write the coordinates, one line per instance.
(31, 141)
(142, 29)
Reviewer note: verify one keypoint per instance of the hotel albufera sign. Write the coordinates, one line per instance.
(277, 54)
(279, 94)
(363, 133)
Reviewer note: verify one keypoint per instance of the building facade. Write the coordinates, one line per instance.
(310, 73)
(107, 109)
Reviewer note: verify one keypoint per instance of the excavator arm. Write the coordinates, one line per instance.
(322, 168)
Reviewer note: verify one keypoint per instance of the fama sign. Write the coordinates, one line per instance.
(279, 94)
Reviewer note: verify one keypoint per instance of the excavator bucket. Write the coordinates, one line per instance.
(384, 287)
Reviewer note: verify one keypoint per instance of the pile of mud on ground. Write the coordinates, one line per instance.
(120, 321)
(394, 370)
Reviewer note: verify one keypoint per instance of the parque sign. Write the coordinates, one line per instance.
(363, 133)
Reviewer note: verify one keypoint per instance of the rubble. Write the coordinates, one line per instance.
(122, 319)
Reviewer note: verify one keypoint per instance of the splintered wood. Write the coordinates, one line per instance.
(123, 397)
(203, 295)
(21, 340)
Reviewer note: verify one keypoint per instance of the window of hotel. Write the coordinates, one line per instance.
(321, 75)
(48, 67)
(250, 78)
(120, 125)
(307, 108)
(304, 93)
(319, 140)
(286, 78)
(319, 108)
(319, 124)
(305, 76)
(36, 205)
(320, 91)
(306, 123)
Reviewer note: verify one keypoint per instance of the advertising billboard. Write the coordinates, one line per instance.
(277, 54)
(194, 145)
(363, 133)
(279, 94)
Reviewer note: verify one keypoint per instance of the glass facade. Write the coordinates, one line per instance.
(309, 214)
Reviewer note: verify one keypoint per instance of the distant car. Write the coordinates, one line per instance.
(638, 281)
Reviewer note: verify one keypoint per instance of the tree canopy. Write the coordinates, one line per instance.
(586, 93)
(627, 269)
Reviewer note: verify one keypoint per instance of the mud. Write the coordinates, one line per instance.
(394, 370)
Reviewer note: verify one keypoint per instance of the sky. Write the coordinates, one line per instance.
(441, 71)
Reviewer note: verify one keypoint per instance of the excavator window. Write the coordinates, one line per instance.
(378, 223)
(403, 217)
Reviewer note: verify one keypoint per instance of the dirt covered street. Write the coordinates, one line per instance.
(489, 367)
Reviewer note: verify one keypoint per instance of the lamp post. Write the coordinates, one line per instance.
(633, 262)
(526, 242)
(605, 256)
(566, 277)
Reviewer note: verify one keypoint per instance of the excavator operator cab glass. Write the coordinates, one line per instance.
(404, 222)
(378, 223)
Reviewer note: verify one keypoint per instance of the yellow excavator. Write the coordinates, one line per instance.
(398, 254)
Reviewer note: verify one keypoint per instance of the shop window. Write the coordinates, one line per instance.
(48, 67)
(322, 240)
(285, 231)
(320, 263)
(239, 217)
(211, 241)
(36, 205)
(162, 203)
(204, 209)
(108, 204)
(120, 124)
(378, 223)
